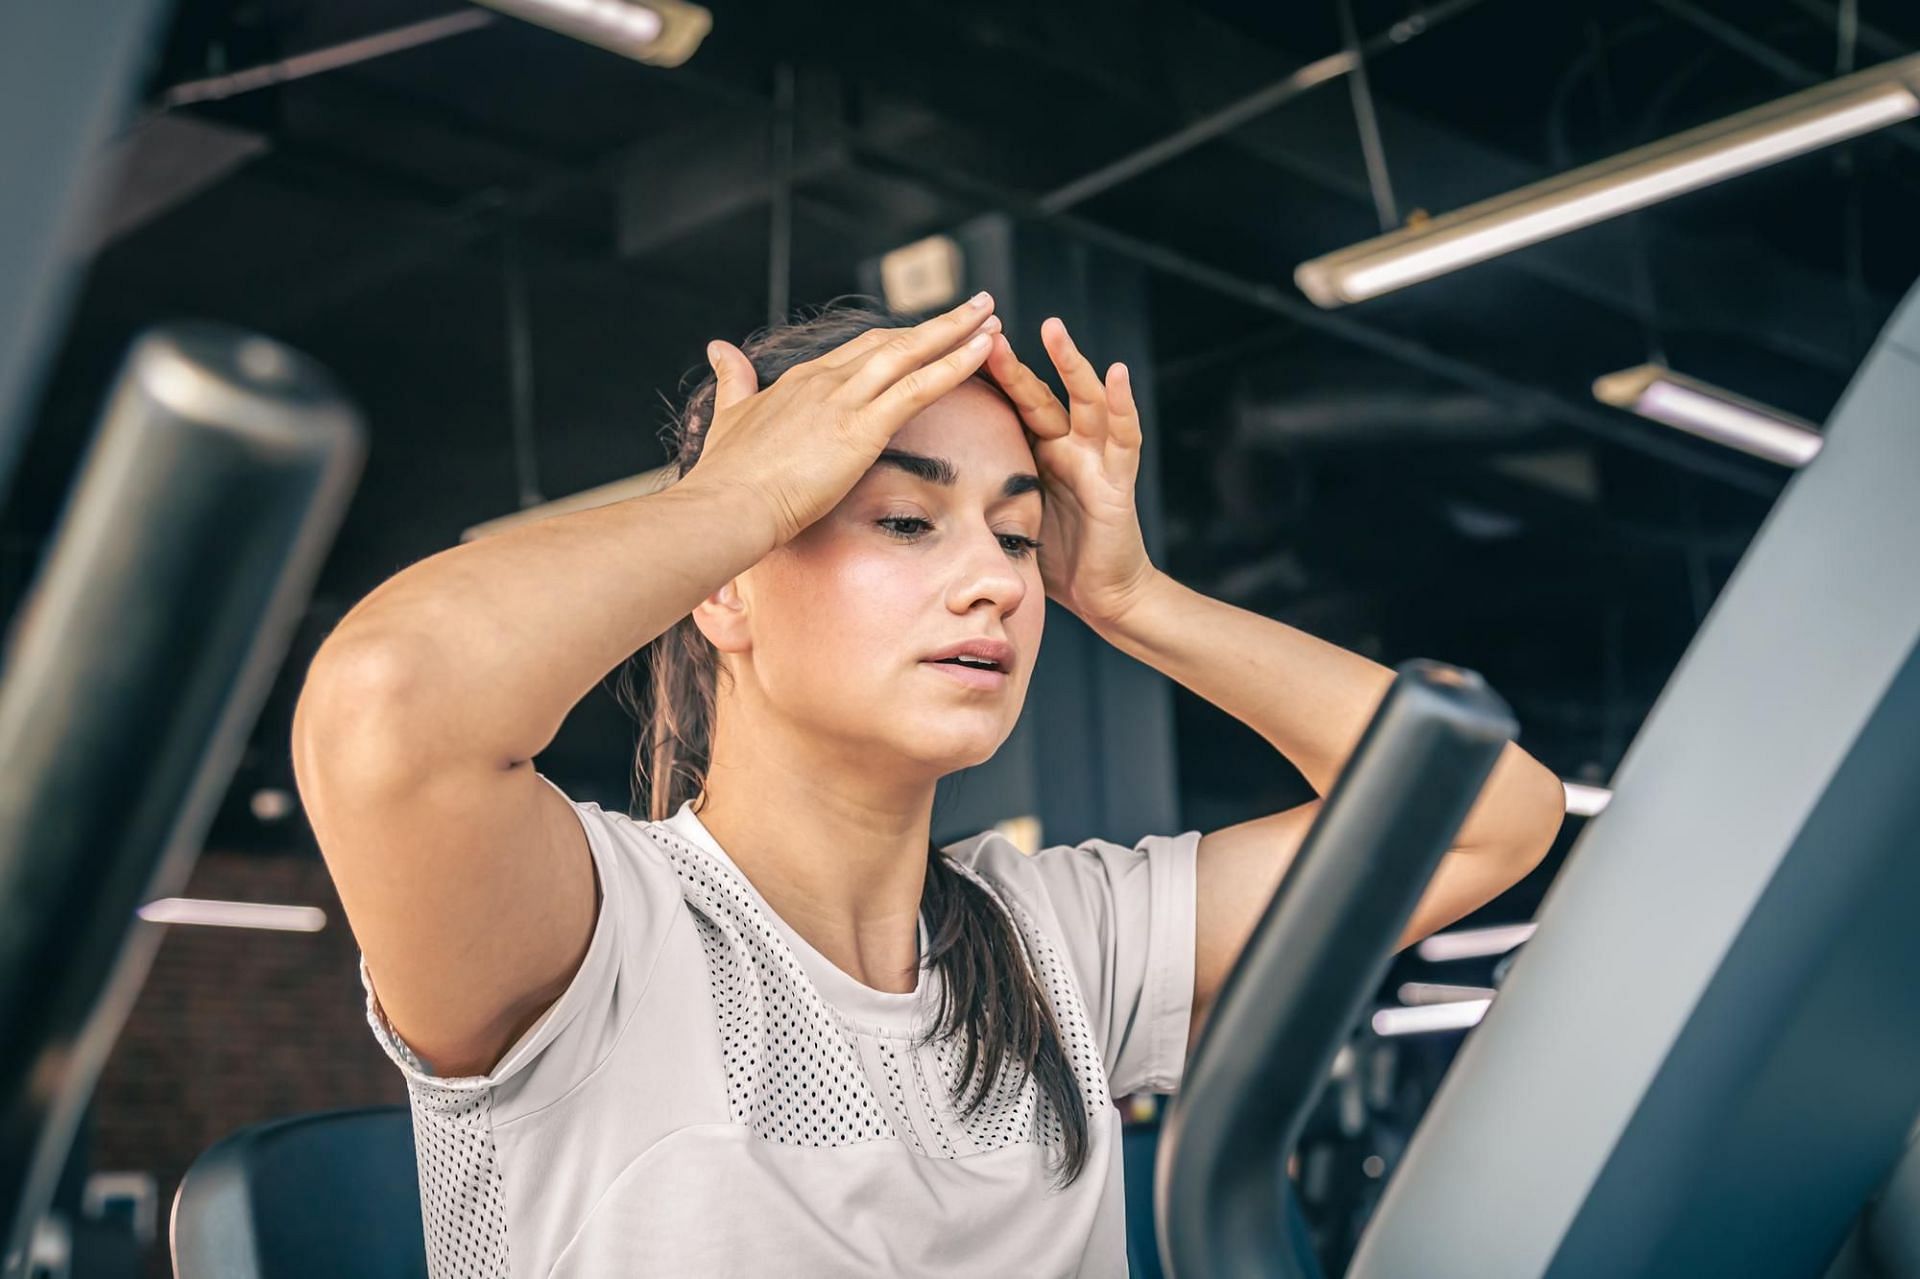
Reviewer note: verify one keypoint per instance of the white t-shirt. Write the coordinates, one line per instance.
(712, 1097)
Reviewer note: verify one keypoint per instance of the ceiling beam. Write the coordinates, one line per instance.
(687, 178)
(1522, 396)
(1727, 282)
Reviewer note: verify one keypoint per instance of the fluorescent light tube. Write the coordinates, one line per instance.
(1779, 130)
(1586, 801)
(1417, 993)
(1474, 943)
(193, 910)
(604, 495)
(1427, 1019)
(1662, 395)
(661, 33)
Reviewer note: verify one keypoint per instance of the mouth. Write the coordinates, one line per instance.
(969, 676)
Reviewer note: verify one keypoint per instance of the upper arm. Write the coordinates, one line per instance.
(1238, 868)
(468, 884)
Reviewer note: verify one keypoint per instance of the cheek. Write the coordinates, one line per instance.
(838, 599)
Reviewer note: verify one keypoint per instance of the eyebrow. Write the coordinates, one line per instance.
(938, 470)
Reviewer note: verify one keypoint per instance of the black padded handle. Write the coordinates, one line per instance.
(138, 663)
(1313, 961)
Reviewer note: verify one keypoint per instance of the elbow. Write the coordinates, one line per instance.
(352, 719)
(1548, 813)
(352, 682)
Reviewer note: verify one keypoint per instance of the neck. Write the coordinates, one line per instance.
(835, 847)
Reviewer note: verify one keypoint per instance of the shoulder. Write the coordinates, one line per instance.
(992, 854)
(1047, 882)
(1012, 875)
(635, 858)
(1079, 883)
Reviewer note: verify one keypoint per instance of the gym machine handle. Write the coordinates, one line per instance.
(137, 665)
(1313, 961)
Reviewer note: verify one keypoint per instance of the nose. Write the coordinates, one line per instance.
(985, 572)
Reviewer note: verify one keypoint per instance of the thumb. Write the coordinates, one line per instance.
(734, 378)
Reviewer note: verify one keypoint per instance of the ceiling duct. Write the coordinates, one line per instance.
(1372, 418)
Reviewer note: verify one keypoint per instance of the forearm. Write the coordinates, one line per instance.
(481, 650)
(1310, 700)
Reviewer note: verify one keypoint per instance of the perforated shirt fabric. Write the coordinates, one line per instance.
(711, 1096)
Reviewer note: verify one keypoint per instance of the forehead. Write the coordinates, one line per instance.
(973, 426)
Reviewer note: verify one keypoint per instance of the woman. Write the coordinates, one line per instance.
(773, 1029)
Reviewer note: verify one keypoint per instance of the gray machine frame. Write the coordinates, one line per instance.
(1707, 1060)
(1708, 1057)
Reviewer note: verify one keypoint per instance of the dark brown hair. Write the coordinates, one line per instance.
(990, 994)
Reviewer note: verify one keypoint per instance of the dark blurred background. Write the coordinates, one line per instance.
(1424, 475)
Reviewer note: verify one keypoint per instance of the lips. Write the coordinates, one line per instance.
(975, 677)
(997, 652)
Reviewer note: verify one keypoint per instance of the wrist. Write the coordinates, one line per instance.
(741, 504)
(1122, 612)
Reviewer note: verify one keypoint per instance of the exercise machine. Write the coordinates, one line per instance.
(1707, 1060)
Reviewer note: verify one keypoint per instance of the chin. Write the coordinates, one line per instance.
(950, 752)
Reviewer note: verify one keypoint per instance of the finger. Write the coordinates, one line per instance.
(1123, 415)
(1038, 406)
(854, 348)
(1085, 396)
(907, 350)
(919, 387)
(733, 377)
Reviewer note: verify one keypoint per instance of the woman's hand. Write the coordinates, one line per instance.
(801, 444)
(1093, 558)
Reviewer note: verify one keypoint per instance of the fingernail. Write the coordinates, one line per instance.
(712, 351)
(979, 343)
(980, 299)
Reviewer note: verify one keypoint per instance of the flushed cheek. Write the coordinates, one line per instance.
(890, 602)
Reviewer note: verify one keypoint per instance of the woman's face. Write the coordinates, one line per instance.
(844, 618)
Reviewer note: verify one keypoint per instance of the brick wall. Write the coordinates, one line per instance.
(236, 1026)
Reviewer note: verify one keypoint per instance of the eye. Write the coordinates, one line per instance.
(1018, 545)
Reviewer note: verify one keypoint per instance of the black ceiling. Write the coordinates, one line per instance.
(1424, 475)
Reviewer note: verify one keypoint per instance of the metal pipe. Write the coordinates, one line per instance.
(1761, 54)
(780, 189)
(1367, 121)
(331, 58)
(1251, 107)
(519, 342)
(1872, 38)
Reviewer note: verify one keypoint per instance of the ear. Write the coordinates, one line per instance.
(722, 618)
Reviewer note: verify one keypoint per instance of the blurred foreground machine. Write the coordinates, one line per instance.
(134, 671)
(1707, 1061)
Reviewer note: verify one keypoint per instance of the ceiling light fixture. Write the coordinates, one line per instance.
(1429, 1018)
(1474, 943)
(660, 33)
(1656, 392)
(1586, 801)
(194, 910)
(1416, 994)
(1790, 126)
